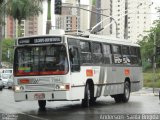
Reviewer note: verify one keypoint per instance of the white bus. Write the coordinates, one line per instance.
(94, 66)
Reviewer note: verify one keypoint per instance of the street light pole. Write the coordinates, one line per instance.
(154, 63)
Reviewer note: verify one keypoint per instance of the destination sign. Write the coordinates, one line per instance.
(38, 40)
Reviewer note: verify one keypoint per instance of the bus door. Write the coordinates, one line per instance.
(74, 56)
(75, 72)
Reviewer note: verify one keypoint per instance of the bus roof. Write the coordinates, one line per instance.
(91, 37)
(106, 39)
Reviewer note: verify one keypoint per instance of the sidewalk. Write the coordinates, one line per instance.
(147, 91)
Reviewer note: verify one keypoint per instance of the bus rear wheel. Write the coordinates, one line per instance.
(42, 104)
(125, 96)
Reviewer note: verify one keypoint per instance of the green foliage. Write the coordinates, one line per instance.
(7, 45)
(49, 10)
(23, 9)
(149, 79)
(94, 2)
(147, 45)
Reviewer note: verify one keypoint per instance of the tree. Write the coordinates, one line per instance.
(147, 44)
(7, 54)
(94, 2)
(48, 24)
(23, 9)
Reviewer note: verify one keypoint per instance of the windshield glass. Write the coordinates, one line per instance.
(41, 60)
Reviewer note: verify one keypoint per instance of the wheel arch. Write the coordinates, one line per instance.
(127, 79)
(91, 84)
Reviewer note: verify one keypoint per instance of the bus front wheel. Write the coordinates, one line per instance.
(42, 104)
(85, 101)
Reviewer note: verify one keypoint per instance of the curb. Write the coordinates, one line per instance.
(146, 94)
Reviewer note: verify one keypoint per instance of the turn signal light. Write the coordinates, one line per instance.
(67, 87)
(24, 81)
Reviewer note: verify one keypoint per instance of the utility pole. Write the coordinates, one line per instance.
(154, 63)
(78, 16)
(98, 16)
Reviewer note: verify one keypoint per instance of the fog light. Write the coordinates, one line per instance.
(21, 88)
(57, 87)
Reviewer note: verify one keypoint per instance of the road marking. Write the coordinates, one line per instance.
(40, 118)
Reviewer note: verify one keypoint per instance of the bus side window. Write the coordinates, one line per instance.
(107, 54)
(86, 57)
(97, 53)
(74, 59)
(117, 56)
(134, 56)
(126, 55)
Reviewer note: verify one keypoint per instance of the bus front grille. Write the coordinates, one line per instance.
(39, 87)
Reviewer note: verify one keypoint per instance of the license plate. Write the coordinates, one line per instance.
(39, 96)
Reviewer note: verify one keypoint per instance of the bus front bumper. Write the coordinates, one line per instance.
(34, 96)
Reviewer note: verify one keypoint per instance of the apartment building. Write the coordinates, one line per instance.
(82, 15)
(129, 18)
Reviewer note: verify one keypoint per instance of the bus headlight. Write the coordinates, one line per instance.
(62, 87)
(19, 88)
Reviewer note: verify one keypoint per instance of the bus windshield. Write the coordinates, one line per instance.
(41, 60)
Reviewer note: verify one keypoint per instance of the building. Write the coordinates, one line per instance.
(82, 15)
(30, 26)
(71, 19)
(129, 18)
(10, 27)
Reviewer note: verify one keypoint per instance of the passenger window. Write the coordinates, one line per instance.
(135, 55)
(107, 54)
(85, 52)
(126, 55)
(97, 53)
(117, 56)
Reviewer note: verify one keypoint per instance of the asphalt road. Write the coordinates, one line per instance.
(140, 103)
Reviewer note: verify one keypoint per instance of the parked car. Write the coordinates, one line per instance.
(5, 77)
(1, 83)
(10, 82)
(10, 71)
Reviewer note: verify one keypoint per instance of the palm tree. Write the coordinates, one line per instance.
(1, 27)
(48, 24)
(23, 9)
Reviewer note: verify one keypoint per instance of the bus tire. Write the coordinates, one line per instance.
(118, 98)
(87, 96)
(126, 94)
(42, 104)
(92, 101)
